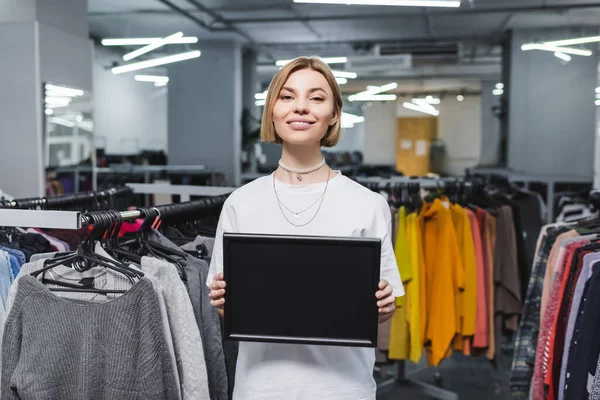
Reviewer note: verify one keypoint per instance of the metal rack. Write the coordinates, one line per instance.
(185, 191)
(526, 179)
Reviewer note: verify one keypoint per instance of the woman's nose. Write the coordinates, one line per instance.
(301, 106)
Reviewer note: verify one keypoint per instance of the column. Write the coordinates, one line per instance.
(205, 109)
(551, 111)
(40, 42)
(490, 126)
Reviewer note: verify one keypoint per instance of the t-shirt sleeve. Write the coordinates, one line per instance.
(226, 224)
(389, 266)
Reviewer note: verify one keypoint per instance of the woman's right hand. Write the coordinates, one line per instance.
(217, 293)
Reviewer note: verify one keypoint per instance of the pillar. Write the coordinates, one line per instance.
(490, 126)
(40, 42)
(551, 111)
(205, 109)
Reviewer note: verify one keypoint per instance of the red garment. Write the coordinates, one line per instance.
(482, 328)
(546, 336)
(130, 227)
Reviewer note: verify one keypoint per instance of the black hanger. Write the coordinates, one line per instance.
(84, 258)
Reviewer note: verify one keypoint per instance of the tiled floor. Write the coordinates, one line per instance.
(472, 378)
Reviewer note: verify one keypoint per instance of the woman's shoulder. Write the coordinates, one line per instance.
(249, 192)
(360, 195)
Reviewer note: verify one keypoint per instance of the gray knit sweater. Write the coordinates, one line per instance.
(56, 348)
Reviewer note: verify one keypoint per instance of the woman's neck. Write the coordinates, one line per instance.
(302, 157)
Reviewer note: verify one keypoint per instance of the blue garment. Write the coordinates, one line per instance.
(14, 267)
(17, 253)
(5, 272)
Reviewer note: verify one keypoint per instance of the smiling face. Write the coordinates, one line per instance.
(305, 108)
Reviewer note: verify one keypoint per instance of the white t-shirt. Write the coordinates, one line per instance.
(268, 371)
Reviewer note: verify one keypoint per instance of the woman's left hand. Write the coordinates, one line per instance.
(386, 302)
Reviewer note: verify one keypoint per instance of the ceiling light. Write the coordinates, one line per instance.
(61, 121)
(49, 111)
(423, 103)
(498, 92)
(156, 62)
(425, 110)
(259, 103)
(598, 102)
(341, 81)
(147, 41)
(57, 101)
(500, 86)
(152, 78)
(152, 46)
(373, 90)
(326, 60)
(344, 74)
(546, 47)
(353, 118)
(62, 91)
(460, 97)
(261, 96)
(573, 42)
(598, 95)
(598, 90)
(404, 3)
(427, 100)
(375, 97)
(562, 56)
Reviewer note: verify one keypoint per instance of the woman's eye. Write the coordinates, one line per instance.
(285, 97)
(317, 98)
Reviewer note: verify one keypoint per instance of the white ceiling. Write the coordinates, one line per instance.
(281, 29)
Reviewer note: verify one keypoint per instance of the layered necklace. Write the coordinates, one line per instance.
(297, 214)
(299, 172)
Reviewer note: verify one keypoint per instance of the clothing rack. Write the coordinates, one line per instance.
(68, 199)
(184, 191)
(380, 183)
(50, 219)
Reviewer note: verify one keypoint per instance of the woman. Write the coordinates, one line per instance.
(306, 197)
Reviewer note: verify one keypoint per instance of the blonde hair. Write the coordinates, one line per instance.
(268, 133)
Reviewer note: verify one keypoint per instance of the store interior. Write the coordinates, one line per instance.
(166, 98)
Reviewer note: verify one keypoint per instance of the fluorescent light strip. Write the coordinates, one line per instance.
(573, 42)
(341, 81)
(152, 78)
(261, 96)
(261, 102)
(344, 74)
(598, 89)
(597, 102)
(415, 107)
(355, 119)
(156, 62)
(545, 47)
(63, 90)
(563, 56)
(399, 3)
(373, 90)
(423, 104)
(152, 46)
(498, 92)
(146, 41)
(500, 86)
(375, 97)
(326, 60)
(427, 100)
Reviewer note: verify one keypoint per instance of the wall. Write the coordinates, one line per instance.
(20, 111)
(490, 126)
(65, 59)
(129, 116)
(351, 139)
(551, 109)
(460, 129)
(205, 109)
(380, 133)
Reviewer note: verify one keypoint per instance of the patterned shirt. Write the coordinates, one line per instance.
(527, 334)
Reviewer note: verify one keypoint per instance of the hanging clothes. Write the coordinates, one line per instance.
(445, 278)
(413, 289)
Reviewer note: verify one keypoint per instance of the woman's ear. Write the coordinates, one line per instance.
(334, 119)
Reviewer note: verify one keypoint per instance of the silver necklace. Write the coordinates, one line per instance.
(322, 197)
(299, 172)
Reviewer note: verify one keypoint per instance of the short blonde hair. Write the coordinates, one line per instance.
(267, 133)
